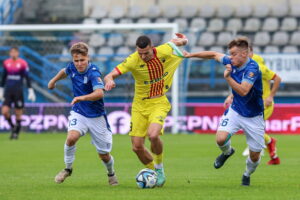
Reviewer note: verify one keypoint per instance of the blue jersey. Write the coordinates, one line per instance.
(250, 105)
(83, 84)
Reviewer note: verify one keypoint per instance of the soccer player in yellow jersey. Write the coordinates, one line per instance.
(152, 69)
(268, 97)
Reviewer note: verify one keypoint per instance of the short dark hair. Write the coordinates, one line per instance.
(143, 41)
(14, 48)
(79, 48)
(240, 42)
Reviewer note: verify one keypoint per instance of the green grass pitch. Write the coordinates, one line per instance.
(28, 167)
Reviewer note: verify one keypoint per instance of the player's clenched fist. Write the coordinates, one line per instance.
(109, 85)
(51, 85)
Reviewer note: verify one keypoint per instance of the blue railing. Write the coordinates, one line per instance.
(8, 9)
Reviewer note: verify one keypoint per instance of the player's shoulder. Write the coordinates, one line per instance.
(93, 69)
(252, 64)
(165, 46)
(257, 58)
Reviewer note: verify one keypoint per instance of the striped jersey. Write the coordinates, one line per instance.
(154, 77)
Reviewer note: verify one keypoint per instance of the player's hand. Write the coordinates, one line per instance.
(228, 102)
(268, 101)
(77, 100)
(1, 94)
(187, 54)
(109, 85)
(31, 95)
(227, 71)
(51, 85)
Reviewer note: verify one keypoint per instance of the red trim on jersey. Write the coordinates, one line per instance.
(120, 73)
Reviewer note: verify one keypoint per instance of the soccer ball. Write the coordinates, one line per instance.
(146, 178)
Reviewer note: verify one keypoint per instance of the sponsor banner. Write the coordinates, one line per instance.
(199, 118)
(286, 66)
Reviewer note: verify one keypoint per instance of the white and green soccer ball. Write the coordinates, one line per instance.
(146, 178)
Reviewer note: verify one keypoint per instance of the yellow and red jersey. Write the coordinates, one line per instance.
(152, 78)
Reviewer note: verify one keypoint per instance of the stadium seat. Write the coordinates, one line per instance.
(207, 11)
(182, 23)
(92, 51)
(89, 21)
(126, 21)
(153, 11)
(161, 20)
(215, 25)
(131, 38)
(261, 38)
(192, 39)
(271, 50)
(166, 37)
(224, 11)
(224, 38)
(122, 53)
(270, 24)
(252, 25)
(65, 55)
(243, 11)
(99, 12)
(206, 39)
(115, 40)
(257, 49)
(219, 49)
(234, 25)
(107, 21)
(289, 24)
(197, 24)
(280, 38)
(104, 52)
(295, 38)
(189, 11)
(290, 49)
(96, 40)
(279, 10)
(144, 21)
(155, 38)
(170, 11)
(261, 11)
(295, 10)
(117, 12)
(135, 11)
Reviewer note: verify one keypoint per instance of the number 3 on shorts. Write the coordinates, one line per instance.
(72, 122)
(224, 122)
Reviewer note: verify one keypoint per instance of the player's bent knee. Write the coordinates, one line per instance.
(153, 137)
(137, 148)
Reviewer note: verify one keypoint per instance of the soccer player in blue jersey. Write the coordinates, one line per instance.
(15, 70)
(87, 111)
(246, 111)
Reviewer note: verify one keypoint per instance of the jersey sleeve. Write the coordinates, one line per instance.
(267, 74)
(127, 64)
(95, 78)
(68, 69)
(225, 60)
(171, 48)
(251, 75)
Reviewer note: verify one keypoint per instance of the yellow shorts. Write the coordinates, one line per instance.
(146, 112)
(268, 111)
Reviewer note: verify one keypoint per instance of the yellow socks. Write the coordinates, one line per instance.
(157, 158)
(267, 138)
(150, 165)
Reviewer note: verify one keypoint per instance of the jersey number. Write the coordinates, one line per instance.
(224, 122)
(73, 122)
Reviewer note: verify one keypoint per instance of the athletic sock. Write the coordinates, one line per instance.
(150, 165)
(158, 161)
(250, 166)
(69, 156)
(109, 165)
(226, 148)
(18, 126)
(267, 138)
(10, 122)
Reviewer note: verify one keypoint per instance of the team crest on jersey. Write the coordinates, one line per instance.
(251, 74)
(163, 60)
(85, 80)
(160, 118)
(141, 66)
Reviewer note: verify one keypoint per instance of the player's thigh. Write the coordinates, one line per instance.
(77, 122)
(229, 123)
(100, 133)
(254, 128)
(268, 111)
(5, 110)
(18, 99)
(138, 124)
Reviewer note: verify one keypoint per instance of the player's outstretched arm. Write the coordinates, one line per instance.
(276, 84)
(181, 39)
(94, 96)
(60, 75)
(205, 55)
(109, 79)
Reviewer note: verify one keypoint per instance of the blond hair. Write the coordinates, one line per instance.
(79, 48)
